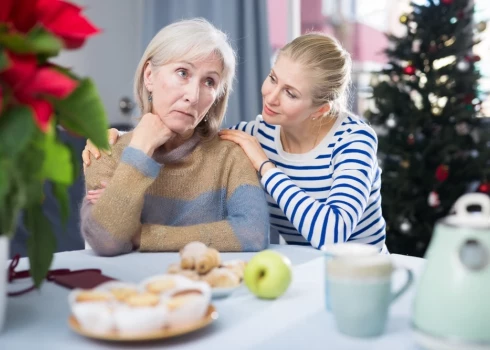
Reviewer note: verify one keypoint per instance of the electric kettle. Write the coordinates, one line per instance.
(452, 301)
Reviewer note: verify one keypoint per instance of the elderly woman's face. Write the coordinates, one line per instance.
(183, 91)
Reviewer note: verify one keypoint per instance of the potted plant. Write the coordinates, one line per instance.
(37, 98)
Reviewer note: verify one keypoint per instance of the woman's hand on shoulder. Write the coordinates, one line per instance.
(90, 148)
(249, 144)
(150, 133)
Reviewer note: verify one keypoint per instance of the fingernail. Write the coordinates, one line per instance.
(91, 192)
(111, 142)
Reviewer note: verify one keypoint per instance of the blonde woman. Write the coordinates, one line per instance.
(172, 180)
(317, 161)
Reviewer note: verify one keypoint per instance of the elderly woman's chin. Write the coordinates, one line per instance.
(179, 126)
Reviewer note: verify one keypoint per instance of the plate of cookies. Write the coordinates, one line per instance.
(199, 262)
(159, 307)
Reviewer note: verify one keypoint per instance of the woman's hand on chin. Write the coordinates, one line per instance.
(150, 133)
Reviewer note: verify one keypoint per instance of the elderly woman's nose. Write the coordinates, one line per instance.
(192, 91)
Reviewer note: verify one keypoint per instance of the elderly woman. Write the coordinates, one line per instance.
(172, 180)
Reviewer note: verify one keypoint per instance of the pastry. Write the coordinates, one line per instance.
(140, 313)
(175, 269)
(123, 293)
(93, 310)
(92, 296)
(188, 305)
(190, 253)
(161, 286)
(207, 261)
(236, 266)
(221, 278)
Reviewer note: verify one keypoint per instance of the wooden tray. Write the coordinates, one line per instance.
(211, 315)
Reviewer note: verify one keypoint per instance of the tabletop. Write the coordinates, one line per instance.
(297, 320)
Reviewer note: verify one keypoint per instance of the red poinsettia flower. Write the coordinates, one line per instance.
(31, 85)
(61, 18)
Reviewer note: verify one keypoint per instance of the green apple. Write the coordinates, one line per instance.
(268, 274)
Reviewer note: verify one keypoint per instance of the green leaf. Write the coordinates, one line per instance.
(41, 243)
(4, 60)
(83, 113)
(16, 128)
(60, 191)
(4, 178)
(16, 42)
(43, 42)
(57, 165)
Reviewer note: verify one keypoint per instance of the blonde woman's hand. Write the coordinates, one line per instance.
(150, 133)
(90, 148)
(250, 146)
(94, 195)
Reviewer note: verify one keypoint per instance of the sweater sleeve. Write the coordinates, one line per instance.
(354, 165)
(109, 225)
(245, 227)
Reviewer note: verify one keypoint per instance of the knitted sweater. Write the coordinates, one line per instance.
(201, 191)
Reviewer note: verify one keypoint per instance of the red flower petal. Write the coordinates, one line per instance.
(42, 110)
(48, 10)
(6, 9)
(23, 14)
(20, 71)
(67, 23)
(51, 82)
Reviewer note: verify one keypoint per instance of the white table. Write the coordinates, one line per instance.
(297, 320)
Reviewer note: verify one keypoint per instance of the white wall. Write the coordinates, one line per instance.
(110, 58)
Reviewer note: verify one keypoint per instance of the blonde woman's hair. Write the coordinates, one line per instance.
(329, 65)
(190, 40)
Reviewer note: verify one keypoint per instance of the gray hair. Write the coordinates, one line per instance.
(192, 39)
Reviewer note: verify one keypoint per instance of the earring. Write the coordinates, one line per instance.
(206, 118)
(314, 118)
(150, 97)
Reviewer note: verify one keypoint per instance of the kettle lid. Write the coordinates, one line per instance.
(461, 216)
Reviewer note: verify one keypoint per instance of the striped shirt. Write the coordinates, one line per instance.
(330, 194)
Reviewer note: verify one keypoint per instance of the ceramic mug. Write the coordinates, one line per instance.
(361, 293)
(344, 250)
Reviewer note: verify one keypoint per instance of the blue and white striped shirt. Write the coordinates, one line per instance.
(330, 194)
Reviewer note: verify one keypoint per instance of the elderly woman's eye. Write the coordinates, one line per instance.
(210, 82)
(183, 73)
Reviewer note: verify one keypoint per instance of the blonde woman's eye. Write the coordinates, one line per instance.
(183, 73)
(291, 95)
(210, 82)
(272, 78)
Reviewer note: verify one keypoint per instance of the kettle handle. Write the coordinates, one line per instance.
(461, 205)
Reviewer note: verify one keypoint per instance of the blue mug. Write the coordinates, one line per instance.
(344, 250)
(361, 294)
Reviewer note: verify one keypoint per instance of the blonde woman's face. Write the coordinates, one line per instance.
(286, 95)
(184, 91)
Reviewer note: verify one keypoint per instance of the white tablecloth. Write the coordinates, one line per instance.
(297, 320)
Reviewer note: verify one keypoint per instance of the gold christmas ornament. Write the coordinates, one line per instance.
(404, 18)
(481, 26)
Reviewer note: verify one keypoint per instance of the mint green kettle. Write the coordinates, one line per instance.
(452, 301)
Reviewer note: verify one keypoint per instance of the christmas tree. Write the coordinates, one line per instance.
(427, 105)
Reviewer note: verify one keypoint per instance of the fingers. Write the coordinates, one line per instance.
(86, 158)
(113, 136)
(92, 149)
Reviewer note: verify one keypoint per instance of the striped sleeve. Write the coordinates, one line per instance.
(250, 127)
(332, 221)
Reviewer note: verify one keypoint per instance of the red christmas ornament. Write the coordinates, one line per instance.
(476, 58)
(409, 70)
(468, 98)
(411, 139)
(484, 188)
(442, 173)
(447, 2)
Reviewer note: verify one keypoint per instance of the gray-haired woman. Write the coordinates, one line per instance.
(172, 180)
